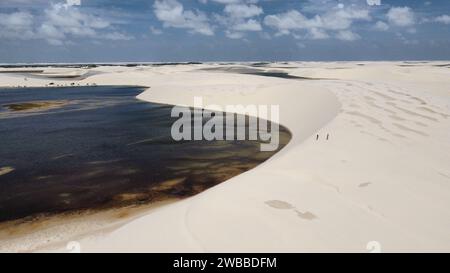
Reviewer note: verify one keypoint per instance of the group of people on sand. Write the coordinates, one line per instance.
(327, 137)
(68, 85)
(52, 84)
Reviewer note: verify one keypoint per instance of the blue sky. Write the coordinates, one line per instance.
(223, 30)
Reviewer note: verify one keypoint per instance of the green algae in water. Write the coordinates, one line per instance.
(35, 105)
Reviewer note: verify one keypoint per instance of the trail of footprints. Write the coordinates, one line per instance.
(407, 115)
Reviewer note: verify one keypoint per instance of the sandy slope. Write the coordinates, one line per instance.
(383, 175)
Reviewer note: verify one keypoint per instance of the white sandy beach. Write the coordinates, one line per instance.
(383, 175)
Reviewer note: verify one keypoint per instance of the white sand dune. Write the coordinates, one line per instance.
(383, 175)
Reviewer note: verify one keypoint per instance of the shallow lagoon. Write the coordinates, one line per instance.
(102, 148)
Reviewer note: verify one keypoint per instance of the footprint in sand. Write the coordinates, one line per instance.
(422, 102)
(386, 97)
(306, 215)
(375, 136)
(399, 135)
(408, 96)
(365, 185)
(366, 117)
(384, 109)
(406, 129)
(444, 175)
(429, 110)
(368, 98)
(395, 117)
(277, 204)
(356, 124)
(354, 105)
(420, 124)
(411, 113)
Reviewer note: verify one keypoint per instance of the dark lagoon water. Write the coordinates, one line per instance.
(84, 148)
(254, 70)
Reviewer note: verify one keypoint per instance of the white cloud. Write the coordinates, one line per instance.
(343, 18)
(234, 35)
(347, 35)
(73, 2)
(16, 19)
(249, 25)
(242, 10)
(17, 25)
(338, 19)
(173, 14)
(117, 36)
(301, 45)
(23, 3)
(405, 40)
(59, 23)
(227, 2)
(51, 33)
(238, 18)
(444, 19)
(317, 34)
(155, 31)
(401, 16)
(381, 26)
(63, 21)
(315, 19)
(72, 21)
(285, 22)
